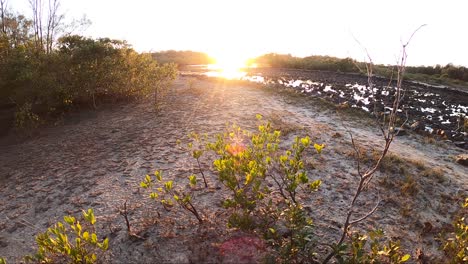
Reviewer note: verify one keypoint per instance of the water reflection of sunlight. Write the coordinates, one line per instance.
(227, 66)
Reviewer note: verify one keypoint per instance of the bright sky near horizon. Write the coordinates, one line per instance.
(247, 28)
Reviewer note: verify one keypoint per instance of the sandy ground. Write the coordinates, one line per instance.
(97, 159)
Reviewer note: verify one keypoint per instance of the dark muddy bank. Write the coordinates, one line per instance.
(437, 111)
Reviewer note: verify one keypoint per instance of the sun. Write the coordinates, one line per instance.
(229, 66)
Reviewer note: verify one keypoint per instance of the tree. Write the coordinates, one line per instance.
(48, 24)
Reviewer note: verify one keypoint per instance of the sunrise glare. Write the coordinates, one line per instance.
(228, 65)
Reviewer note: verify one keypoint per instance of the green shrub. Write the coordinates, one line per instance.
(167, 195)
(70, 242)
(26, 119)
(374, 250)
(455, 244)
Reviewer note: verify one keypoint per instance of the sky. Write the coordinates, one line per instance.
(248, 28)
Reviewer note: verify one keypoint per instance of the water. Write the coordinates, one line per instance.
(437, 111)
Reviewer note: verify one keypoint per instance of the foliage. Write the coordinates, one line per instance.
(182, 57)
(167, 195)
(244, 162)
(296, 242)
(197, 149)
(71, 71)
(247, 164)
(70, 242)
(449, 73)
(322, 63)
(25, 118)
(2, 261)
(364, 250)
(455, 245)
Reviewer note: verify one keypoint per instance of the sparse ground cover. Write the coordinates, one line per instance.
(98, 159)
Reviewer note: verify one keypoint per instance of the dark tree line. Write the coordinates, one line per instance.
(43, 74)
(182, 57)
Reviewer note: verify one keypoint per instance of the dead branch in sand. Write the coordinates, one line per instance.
(387, 124)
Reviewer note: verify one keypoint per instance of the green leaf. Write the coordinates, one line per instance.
(315, 185)
(193, 180)
(176, 197)
(89, 216)
(197, 154)
(303, 177)
(93, 238)
(168, 185)
(187, 199)
(259, 116)
(143, 185)
(69, 219)
(154, 195)
(405, 258)
(86, 235)
(305, 141)
(147, 178)
(318, 147)
(105, 244)
(248, 178)
(158, 175)
(78, 227)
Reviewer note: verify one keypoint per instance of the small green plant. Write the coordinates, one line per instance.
(2, 261)
(246, 164)
(242, 168)
(296, 242)
(197, 150)
(70, 242)
(167, 195)
(246, 160)
(292, 167)
(455, 245)
(362, 250)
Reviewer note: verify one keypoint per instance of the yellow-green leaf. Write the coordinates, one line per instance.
(168, 185)
(248, 178)
(305, 141)
(158, 175)
(69, 219)
(105, 244)
(319, 147)
(405, 258)
(193, 180)
(315, 185)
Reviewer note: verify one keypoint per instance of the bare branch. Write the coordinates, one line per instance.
(368, 214)
(388, 129)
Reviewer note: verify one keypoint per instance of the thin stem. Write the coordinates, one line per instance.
(201, 172)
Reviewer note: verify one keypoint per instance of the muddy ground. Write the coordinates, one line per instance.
(436, 111)
(97, 159)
